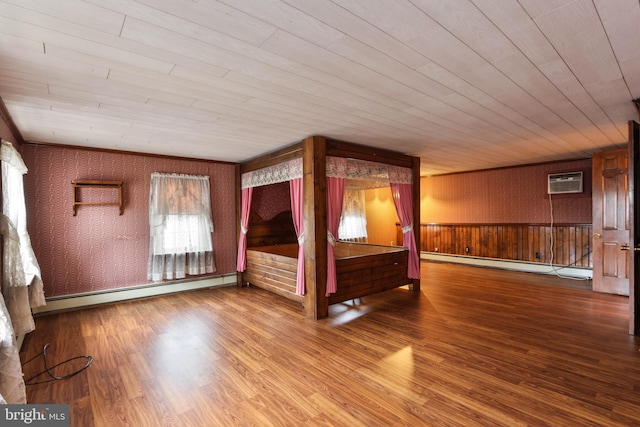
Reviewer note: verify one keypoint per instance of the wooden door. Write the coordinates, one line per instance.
(611, 222)
(634, 235)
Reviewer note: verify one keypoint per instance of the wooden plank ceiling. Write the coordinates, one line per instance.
(464, 84)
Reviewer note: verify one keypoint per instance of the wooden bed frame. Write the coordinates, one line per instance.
(361, 269)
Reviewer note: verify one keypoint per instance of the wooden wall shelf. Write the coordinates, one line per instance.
(80, 183)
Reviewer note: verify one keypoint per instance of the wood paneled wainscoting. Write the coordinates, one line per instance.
(517, 242)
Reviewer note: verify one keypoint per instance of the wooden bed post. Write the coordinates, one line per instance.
(416, 215)
(315, 226)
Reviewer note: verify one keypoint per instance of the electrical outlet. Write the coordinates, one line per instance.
(467, 250)
(537, 255)
(436, 249)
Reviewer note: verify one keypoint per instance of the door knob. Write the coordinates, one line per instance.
(597, 235)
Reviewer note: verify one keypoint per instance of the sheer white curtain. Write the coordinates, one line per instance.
(12, 388)
(21, 287)
(180, 227)
(15, 315)
(353, 222)
(15, 209)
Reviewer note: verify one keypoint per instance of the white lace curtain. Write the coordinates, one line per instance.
(353, 222)
(22, 287)
(360, 174)
(14, 310)
(282, 172)
(14, 207)
(180, 227)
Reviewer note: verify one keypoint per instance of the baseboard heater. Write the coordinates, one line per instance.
(528, 267)
(88, 299)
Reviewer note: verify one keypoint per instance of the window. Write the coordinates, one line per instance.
(180, 227)
(184, 234)
(353, 222)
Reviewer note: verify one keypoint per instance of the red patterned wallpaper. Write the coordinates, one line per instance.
(270, 200)
(99, 249)
(510, 195)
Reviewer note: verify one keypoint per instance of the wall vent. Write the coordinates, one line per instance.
(561, 183)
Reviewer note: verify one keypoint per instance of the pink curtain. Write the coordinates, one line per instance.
(297, 208)
(403, 199)
(244, 227)
(335, 195)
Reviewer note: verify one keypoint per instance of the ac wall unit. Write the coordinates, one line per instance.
(561, 183)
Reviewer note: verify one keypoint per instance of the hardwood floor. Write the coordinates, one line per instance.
(477, 347)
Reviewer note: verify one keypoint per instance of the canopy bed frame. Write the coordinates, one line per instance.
(310, 266)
